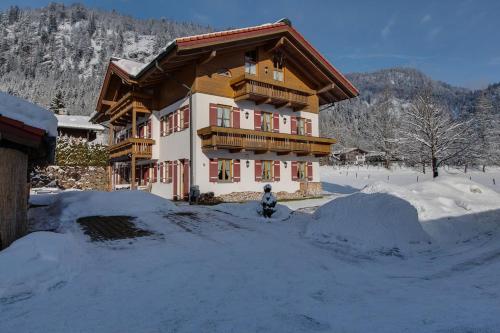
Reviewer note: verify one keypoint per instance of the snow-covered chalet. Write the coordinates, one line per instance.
(225, 111)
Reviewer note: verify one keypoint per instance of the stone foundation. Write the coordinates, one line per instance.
(71, 177)
(307, 190)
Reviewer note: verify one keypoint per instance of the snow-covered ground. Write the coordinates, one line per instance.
(395, 256)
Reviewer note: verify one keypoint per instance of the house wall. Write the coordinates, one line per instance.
(13, 195)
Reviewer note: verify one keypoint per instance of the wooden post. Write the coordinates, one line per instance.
(110, 176)
(111, 139)
(132, 173)
(134, 124)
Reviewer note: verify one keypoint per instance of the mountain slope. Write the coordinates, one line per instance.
(67, 48)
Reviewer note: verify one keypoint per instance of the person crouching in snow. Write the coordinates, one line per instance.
(268, 202)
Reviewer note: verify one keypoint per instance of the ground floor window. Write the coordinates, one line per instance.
(302, 170)
(225, 170)
(267, 170)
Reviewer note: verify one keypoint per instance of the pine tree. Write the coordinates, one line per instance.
(57, 105)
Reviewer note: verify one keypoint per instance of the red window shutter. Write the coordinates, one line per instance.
(213, 170)
(176, 121)
(277, 169)
(213, 114)
(161, 173)
(170, 170)
(293, 125)
(150, 127)
(185, 185)
(308, 127)
(170, 124)
(236, 117)
(258, 171)
(236, 171)
(257, 120)
(186, 117)
(276, 122)
(309, 171)
(141, 131)
(175, 181)
(294, 170)
(155, 172)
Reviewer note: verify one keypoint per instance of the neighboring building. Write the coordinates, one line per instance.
(356, 156)
(80, 127)
(254, 95)
(27, 137)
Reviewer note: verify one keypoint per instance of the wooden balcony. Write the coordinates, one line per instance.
(234, 139)
(122, 111)
(138, 147)
(249, 87)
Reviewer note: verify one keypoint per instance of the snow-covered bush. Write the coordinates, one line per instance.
(79, 152)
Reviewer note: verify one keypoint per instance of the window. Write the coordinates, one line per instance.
(278, 67)
(301, 170)
(223, 116)
(251, 62)
(301, 126)
(180, 126)
(267, 170)
(224, 170)
(267, 122)
(163, 125)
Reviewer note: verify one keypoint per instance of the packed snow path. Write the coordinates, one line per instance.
(224, 269)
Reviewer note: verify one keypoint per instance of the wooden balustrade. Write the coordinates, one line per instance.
(138, 102)
(139, 147)
(243, 139)
(276, 93)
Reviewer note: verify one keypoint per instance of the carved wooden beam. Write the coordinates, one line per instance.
(326, 88)
(278, 45)
(209, 58)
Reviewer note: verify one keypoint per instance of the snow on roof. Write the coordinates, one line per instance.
(129, 66)
(33, 115)
(80, 122)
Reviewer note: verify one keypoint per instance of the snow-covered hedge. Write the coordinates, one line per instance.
(80, 152)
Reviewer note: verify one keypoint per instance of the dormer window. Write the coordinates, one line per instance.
(251, 62)
(278, 67)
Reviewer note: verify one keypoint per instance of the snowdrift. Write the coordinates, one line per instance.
(38, 262)
(450, 209)
(368, 222)
(252, 210)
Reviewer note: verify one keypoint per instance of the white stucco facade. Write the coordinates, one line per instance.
(175, 147)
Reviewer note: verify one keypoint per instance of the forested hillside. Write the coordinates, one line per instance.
(66, 48)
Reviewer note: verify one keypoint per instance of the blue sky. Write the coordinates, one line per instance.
(454, 41)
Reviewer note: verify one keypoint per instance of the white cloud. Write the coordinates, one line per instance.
(387, 29)
(426, 18)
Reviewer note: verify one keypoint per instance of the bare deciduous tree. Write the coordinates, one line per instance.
(431, 132)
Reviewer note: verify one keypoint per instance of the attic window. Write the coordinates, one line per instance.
(251, 62)
(278, 67)
(224, 72)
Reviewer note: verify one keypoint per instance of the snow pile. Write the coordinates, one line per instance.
(38, 262)
(368, 222)
(443, 197)
(252, 210)
(451, 209)
(75, 204)
(28, 113)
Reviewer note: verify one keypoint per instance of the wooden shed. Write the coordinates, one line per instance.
(22, 146)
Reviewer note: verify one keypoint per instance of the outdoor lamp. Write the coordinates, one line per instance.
(248, 163)
(246, 115)
(285, 164)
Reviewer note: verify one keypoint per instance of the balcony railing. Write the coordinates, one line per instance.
(242, 139)
(270, 92)
(139, 102)
(139, 147)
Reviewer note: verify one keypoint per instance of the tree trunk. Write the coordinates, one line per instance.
(465, 168)
(434, 168)
(484, 167)
(423, 167)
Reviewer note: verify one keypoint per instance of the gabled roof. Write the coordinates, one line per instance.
(134, 72)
